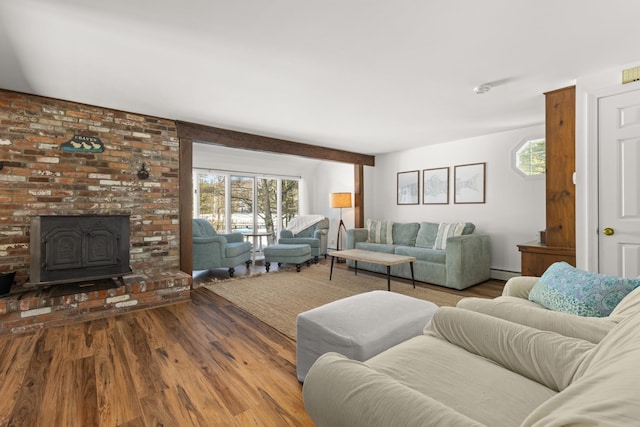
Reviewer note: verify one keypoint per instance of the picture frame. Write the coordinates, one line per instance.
(469, 183)
(408, 188)
(435, 186)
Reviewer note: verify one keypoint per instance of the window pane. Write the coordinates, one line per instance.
(241, 203)
(531, 158)
(211, 199)
(290, 203)
(267, 206)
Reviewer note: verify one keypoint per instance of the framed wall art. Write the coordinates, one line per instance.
(408, 187)
(469, 181)
(435, 186)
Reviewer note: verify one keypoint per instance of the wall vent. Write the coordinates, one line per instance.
(631, 75)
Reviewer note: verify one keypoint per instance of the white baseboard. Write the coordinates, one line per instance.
(503, 274)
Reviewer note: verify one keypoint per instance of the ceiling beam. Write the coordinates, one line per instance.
(247, 141)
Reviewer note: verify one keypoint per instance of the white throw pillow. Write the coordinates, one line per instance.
(380, 231)
(445, 231)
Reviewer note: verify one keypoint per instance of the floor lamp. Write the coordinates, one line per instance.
(340, 200)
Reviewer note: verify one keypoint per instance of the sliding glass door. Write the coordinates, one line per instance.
(245, 203)
(267, 212)
(242, 218)
(210, 203)
(290, 200)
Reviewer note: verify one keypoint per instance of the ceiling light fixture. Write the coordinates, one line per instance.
(483, 88)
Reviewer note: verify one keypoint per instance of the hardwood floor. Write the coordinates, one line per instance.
(200, 363)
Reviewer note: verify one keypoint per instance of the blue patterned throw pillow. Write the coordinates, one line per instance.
(570, 290)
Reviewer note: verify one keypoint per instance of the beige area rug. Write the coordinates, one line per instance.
(277, 298)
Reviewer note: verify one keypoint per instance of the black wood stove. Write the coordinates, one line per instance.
(78, 248)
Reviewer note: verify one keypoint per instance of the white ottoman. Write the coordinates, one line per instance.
(359, 327)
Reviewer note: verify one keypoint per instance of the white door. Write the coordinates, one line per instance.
(619, 184)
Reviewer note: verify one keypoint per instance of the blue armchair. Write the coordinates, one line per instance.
(215, 250)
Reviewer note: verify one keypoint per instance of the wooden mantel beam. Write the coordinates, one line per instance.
(247, 141)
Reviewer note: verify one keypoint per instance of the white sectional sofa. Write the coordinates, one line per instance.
(501, 362)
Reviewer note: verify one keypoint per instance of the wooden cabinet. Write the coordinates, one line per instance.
(560, 144)
(537, 257)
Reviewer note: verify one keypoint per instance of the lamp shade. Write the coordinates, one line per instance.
(340, 200)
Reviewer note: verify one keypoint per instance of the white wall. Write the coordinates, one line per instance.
(514, 211)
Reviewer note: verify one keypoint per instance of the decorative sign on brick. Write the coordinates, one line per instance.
(84, 144)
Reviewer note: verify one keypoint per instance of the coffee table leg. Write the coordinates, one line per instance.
(331, 270)
(356, 267)
(412, 278)
(388, 278)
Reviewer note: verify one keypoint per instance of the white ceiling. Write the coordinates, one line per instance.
(366, 76)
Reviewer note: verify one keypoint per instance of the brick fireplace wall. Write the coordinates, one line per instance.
(39, 178)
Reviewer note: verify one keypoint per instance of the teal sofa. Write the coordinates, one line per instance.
(465, 261)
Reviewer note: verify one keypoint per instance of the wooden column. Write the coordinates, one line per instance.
(186, 204)
(358, 195)
(561, 164)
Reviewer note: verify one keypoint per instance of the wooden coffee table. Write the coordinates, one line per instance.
(374, 258)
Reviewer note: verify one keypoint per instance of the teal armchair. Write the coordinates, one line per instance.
(314, 235)
(216, 250)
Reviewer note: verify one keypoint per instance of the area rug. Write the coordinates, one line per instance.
(277, 298)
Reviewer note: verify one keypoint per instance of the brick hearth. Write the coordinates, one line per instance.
(34, 309)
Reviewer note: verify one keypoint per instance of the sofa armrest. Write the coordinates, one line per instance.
(355, 235)
(319, 234)
(468, 260)
(546, 357)
(208, 251)
(340, 392)
(525, 312)
(519, 286)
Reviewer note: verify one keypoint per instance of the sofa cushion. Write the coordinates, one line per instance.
(528, 313)
(380, 231)
(405, 233)
(422, 254)
(376, 247)
(446, 230)
(464, 382)
(427, 235)
(468, 228)
(428, 232)
(236, 249)
(629, 305)
(568, 289)
(606, 391)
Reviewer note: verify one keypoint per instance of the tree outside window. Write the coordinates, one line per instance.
(211, 199)
(530, 157)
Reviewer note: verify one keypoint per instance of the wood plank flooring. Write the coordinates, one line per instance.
(200, 363)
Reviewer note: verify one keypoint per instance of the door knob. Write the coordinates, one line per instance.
(608, 231)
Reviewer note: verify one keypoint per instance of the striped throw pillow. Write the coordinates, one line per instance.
(445, 231)
(380, 231)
